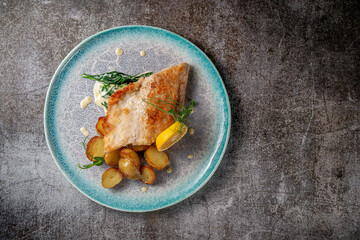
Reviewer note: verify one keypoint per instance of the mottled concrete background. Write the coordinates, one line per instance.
(292, 168)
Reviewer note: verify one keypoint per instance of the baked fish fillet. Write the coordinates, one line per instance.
(131, 120)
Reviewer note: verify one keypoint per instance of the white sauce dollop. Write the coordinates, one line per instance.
(191, 130)
(85, 102)
(84, 131)
(119, 52)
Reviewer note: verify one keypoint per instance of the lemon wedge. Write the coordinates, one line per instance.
(170, 136)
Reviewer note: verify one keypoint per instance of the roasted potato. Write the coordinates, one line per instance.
(156, 159)
(112, 158)
(128, 169)
(147, 175)
(139, 148)
(99, 126)
(95, 148)
(131, 155)
(111, 178)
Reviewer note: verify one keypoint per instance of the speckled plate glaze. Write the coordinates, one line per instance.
(64, 117)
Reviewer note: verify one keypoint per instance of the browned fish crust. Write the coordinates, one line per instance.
(140, 125)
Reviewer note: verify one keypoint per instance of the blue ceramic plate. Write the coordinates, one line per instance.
(64, 117)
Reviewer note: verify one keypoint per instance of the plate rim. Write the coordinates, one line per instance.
(63, 64)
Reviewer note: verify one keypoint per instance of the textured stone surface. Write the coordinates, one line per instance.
(292, 168)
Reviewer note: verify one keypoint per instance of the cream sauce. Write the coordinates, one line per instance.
(84, 131)
(85, 102)
(119, 52)
(98, 95)
(191, 130)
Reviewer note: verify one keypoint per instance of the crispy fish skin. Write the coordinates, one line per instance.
(131, 120)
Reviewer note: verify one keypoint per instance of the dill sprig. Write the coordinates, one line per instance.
(98, 161)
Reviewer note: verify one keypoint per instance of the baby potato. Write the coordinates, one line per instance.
(95, 148)
(99, 126)
(131, 155)
(112, 158)
(156, 159)
(128, 169)
(139, 148)
(147, 175)
(111, 178)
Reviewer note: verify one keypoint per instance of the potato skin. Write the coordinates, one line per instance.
(95, 147)
(111, 177)
(131, 155)
(99, 126)
(147, 175)
(155, 158)
(112, 158)
(139, 148)
(128, 169)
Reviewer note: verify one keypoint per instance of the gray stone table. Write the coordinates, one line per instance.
(292, 167)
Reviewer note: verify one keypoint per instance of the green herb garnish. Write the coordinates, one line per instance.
(105, 104)
(98, 161)
(114, 80)
(180, 113)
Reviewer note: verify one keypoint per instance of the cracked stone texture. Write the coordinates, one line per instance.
(292, 167)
